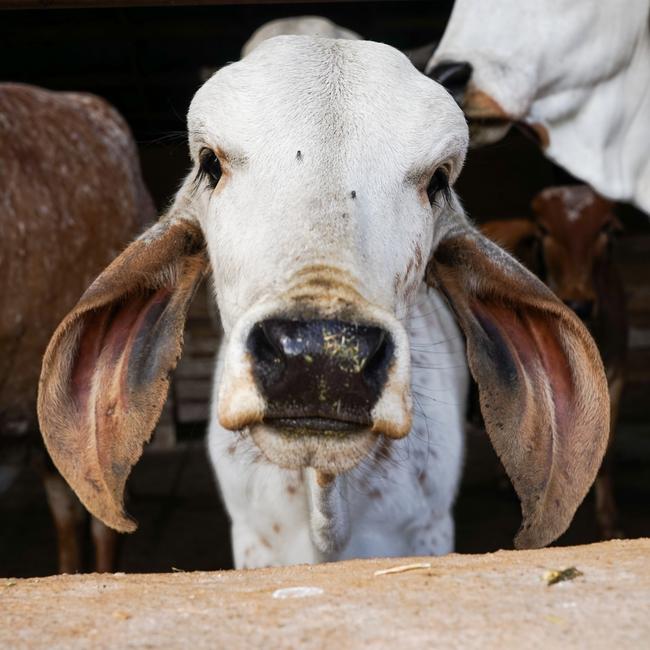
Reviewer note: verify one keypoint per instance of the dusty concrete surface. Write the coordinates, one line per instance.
(498, 600)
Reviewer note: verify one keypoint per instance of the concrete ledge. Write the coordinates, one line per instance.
(500, 600)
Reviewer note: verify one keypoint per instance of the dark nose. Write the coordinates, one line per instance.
(318, 370)
(454, 76)
(583, 309)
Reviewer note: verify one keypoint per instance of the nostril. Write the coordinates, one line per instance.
(268, 356)
(453, 75)
(375, 370)
(320, 368)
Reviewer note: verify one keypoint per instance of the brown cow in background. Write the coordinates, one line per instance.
(71, 197)
(568, 245)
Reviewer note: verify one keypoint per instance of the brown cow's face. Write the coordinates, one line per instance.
(575, 229)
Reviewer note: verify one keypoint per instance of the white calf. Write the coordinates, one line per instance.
(320, 197)
(576, 71)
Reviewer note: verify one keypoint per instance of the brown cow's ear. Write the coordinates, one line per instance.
(510, 234)
(106, 370)
(519, 237)
(542, 386)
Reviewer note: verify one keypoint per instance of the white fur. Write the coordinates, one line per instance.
(581, 68)
(395, 506)
(371, 131)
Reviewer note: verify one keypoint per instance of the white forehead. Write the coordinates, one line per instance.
(329, 97)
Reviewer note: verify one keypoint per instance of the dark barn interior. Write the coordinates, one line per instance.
(148, 62)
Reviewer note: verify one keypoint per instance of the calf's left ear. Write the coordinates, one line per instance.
(106, 370)
(542, 386)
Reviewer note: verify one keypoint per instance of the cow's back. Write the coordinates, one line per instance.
(71, 197)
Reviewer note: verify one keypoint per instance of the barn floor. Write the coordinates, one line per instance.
(500, 600)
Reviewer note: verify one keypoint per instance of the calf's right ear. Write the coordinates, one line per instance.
(542, 384)
(106, 370)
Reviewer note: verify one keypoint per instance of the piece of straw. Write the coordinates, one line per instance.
(403, 568)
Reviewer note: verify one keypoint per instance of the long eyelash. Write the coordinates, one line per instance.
(201, 176)
(443, 190)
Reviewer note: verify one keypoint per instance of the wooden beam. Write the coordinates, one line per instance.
(102, 4)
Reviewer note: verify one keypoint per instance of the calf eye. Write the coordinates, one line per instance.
(210, 167)
(439, 183)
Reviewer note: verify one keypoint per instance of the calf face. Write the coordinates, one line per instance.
(575, 228)
(568, 244)
(320, 196)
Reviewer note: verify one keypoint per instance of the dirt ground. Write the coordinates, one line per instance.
(500, 600)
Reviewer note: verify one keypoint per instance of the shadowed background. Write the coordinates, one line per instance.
(148, 62)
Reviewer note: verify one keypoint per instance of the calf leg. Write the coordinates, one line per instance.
(105, 540)
(606, 510)
(68, 515)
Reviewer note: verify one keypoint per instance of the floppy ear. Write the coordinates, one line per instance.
(542, 386)
(518, 237)
(510, 234)
(106, 369)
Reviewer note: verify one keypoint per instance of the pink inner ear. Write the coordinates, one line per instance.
(534, 345)
(107, 340)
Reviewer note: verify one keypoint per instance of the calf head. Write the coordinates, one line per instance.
(575, 228)
(320, 198)
(568, 244)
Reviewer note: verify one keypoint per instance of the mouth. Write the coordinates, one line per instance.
(484, 126)
(327, 445)
(486, 129)
(487, 121)
(314, 425)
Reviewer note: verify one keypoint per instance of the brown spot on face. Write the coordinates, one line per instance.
(319, 286)
(277, 528)
(324, 479)
(292, 489)
(265, 542)
(374, 494)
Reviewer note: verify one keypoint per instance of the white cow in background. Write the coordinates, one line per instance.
(297, 26)
(320, 197)
(576, 71)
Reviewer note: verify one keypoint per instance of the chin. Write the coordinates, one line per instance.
(327, 446)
